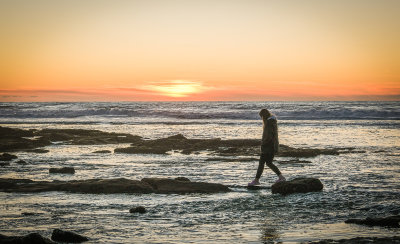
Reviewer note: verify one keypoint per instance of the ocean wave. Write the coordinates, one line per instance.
(206, 110)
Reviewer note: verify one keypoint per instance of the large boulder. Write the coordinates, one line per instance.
(162, 185)
(67, 236)
(392, 221)
(298, 185)
(28, 239)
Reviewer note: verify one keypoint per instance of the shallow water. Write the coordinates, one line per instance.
(356, 185)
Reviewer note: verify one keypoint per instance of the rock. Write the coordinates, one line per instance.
(33, 238)
(295, 161)
(64, 170)
(164, 186)
(121, 185)
(102, 151)
(142, 150)
(298, 185)
(182, 179)
(7, 157)
(28, 214)
(360, 240)
(38, 150)
(392, 221)
(67, 236)
(2, 164)
(139, 209)
(286, 151)
(21, 162)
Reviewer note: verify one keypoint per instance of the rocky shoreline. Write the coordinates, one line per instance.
(13, 140)
(71, 237)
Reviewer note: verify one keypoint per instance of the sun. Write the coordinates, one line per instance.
(175, 88)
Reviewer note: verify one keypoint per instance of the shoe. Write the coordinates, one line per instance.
(255, 182)
(281, 179)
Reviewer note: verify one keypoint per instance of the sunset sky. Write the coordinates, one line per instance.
(170, 50)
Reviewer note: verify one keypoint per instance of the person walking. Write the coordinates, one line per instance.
(269, 146)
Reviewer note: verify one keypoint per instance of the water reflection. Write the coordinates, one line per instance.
(269, 233)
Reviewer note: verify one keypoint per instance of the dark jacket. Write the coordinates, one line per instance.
(270, 141)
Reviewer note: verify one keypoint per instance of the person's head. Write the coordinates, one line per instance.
(264, 113)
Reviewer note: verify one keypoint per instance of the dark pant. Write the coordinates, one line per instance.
(266, 158)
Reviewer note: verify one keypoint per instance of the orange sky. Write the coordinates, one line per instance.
(99, 50)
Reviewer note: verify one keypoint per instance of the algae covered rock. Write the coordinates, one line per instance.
(298, 185)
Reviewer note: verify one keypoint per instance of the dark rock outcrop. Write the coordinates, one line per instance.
(139, 209)
(16, 139)
(182, 179)
(64, 170)
(142, 150)
(298, 185)
(38, 150)
(2, 164)
(121, 185)
(21, 162)
(7, 157)
(392, 221)
(102, 151)
(360, 240)
(33, 238)
(33, 140)
(67, 236)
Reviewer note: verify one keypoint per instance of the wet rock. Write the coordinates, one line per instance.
(102, 151)
(97, 186)
(142, 150)
(182, 179)
(22, 162)
(162, 185)
(33, 238)
(392, 221)
(360, 240)
(64, 170)
(67, 236)
(286, 151)
(121, 185)
(298, 185)
(7, 157)
(87, 137)
(295, 161)
(2, 164)
(17, 139)
(38, 150)
(28, 214)
(139, 209)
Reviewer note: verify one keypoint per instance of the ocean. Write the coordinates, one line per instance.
(360, 184)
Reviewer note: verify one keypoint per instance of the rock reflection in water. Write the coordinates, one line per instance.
(269, 234)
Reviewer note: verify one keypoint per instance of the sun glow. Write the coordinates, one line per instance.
(176, 88)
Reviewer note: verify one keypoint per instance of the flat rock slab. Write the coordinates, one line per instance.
(298, 185)
(162, 185)
(120, 185)
(30, 238)
(392, 221)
